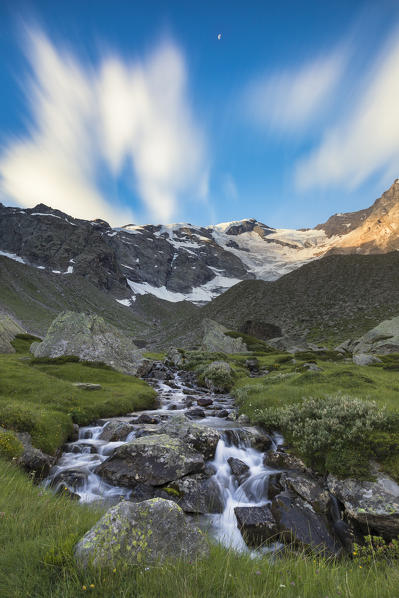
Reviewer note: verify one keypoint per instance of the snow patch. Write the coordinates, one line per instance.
(13, 256)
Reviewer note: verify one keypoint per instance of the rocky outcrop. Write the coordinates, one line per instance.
(257, 525)
(90, 338)
(215, 339)
(365, 359)
(381, 340)
(299, 524)
(8, 331)
(374, 506)
(307, 488)
(153, 460)
(145, 532)
(217, 376)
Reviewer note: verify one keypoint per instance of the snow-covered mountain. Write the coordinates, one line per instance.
(184, 262)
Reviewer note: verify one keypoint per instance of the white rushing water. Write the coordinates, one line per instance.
(75, 469)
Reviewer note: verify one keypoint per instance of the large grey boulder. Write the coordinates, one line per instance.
(257, 525)
(8, 331)
(202, 439)
(215, 339)
(382, 339)
(196, 493)
(373, 505)
(300, 524)
(365, 359)
(308, 488)
(146, 532)
(154, 460)
(90, 338)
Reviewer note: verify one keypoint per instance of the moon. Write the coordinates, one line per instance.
(219, 36)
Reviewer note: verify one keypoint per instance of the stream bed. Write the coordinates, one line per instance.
(75, 472)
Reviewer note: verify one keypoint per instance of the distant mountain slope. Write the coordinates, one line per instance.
(182, 262)
(336, 297)
(35, 297)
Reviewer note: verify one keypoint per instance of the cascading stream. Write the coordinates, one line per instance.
(75, 469)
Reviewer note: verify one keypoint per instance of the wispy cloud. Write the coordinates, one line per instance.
(289, 99)
(366, 141)
(86, 119)
(229, 187)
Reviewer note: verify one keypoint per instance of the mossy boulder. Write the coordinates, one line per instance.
(146, 532)
(90, 338)
(154, 460)
(202, 439)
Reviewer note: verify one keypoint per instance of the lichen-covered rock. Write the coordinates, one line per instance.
(115, 430)
(175, 357)
(256, 524)
(8, 331)
(373, 505)
(202, 439)
(145, 532)
(298, 523)
(365, 359)
(381, 340)
(307, 488)
(153, 460)
(215, 339)
(281, 460)
(217, 376)
(196, 493)
(90, 338)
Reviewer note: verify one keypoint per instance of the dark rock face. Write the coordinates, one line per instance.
(260, 329)
(239, 469)
(281, 460)
(257, 525)
(300, 524)
(153, 460)
(115, 430)
(194, 494)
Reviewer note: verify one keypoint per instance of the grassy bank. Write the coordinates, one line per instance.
(36, 548)
(39, 397)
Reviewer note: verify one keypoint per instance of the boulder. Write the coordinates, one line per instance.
(307, 488)
(202, 439)
(239, 469)
(204, 402)
(153, 460)
(196, 413)
(87, 386)
(299, 524)
(373, 505)
(215, 339)
(196, 493)
(8, 331)
(365, 359)
(33, 460)
(289, 344)
(256, 524)
(145, 532)
(281, 460)
(115, 430)
(382, 339)
(90, 338)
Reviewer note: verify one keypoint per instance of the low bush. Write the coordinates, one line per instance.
(253, 343)
(375, 549)
(330, 433)
(10, 446)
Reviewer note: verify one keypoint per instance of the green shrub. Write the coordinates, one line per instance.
(327, 431)
(10, 446)
(375, 549)
(218, 376)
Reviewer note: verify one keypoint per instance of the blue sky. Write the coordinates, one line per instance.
(137, 112)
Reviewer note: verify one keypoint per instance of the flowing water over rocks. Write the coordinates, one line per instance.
(190, 450)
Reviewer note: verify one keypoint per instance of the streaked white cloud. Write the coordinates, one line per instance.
(289, 99)
(366, 141)
(229, 187)
(88, 121)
